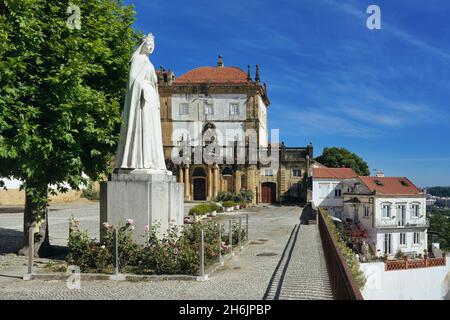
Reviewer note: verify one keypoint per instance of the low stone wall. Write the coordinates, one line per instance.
(16, 197)
(406, 284)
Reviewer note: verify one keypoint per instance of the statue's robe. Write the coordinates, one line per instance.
(140, 145)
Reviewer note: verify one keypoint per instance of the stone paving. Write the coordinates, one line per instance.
(302, 273)
(246, 276)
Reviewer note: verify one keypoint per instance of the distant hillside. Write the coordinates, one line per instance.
(439, 191)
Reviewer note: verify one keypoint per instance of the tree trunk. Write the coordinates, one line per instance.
(36, 199)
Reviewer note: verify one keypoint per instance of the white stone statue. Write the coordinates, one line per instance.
(140, 146)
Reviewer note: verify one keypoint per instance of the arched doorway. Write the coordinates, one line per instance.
(268, 192)
(199, 189)
(199, 183)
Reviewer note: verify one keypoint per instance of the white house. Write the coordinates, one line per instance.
(392, 210)
(328, 188)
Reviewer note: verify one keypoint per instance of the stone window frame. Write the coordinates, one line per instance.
(183, 106)
(405, 238)
(413, 212)
(414, 238)
(366, 211)
(208, 105)
(389, 211)
(337, 192)
(234, 109)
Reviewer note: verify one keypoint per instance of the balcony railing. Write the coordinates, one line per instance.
(391, 265)
(394, 224)
(342, 281)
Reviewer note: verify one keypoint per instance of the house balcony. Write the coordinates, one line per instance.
(396, 224)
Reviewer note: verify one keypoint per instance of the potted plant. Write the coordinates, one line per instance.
(229, 205)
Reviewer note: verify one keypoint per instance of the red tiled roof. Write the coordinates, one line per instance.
(333, 173)
(391, 185)
(214, 75)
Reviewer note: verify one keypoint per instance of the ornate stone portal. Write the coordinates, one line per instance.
(141, 188)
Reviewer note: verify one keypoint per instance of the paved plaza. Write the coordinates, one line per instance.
(279, 263)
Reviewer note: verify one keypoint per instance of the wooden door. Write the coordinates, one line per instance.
(199, 189)
(268, 192)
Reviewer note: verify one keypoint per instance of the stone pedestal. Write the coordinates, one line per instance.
(146, 198)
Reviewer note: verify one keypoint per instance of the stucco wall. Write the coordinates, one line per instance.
(425, 283)
(329, 200)
(263, 128)
(221, 107)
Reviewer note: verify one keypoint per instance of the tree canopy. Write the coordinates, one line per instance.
(341, 157)
(439, 230)
(61, 87)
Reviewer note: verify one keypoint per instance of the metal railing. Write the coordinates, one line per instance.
(343, 284)
(202, 267)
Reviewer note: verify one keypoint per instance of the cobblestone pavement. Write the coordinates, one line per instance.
(302, 272)
(246, 276)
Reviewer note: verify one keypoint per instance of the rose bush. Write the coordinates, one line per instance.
(176, 252)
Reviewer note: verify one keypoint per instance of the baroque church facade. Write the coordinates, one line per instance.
(199, 109)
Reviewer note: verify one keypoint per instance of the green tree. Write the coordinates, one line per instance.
(61, 88)
(341, 157)
(439, 230)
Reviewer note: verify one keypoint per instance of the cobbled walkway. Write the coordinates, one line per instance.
(246, 276)
(302, 271)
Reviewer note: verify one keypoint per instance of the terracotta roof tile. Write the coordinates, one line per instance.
(214, 75)
(333, 173)
(391, 185)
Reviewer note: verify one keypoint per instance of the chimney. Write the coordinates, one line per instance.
(220, 61)
(249, 77)
(257, 74)
(380, 174)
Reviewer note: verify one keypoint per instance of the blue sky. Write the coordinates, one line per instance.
(384, 94)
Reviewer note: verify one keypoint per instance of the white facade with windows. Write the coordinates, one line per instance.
(394, 223)
(327, 193)
(228, 113)
(329, 187)
(400, 224)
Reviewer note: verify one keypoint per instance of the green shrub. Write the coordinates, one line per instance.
(244, 196)
(229, 203)
(203, 209)
(347, 253)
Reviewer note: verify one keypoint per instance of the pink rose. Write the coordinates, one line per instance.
(107, 225)
(146, 228)
(130, 221)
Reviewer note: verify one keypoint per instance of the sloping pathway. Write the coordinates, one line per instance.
(302, 271)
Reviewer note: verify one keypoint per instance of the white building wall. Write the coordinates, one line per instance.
(424, 283)
(324, 194)
(225, 122)
(263, 129)
(380, 221)
(408, 227)
(220, 102)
